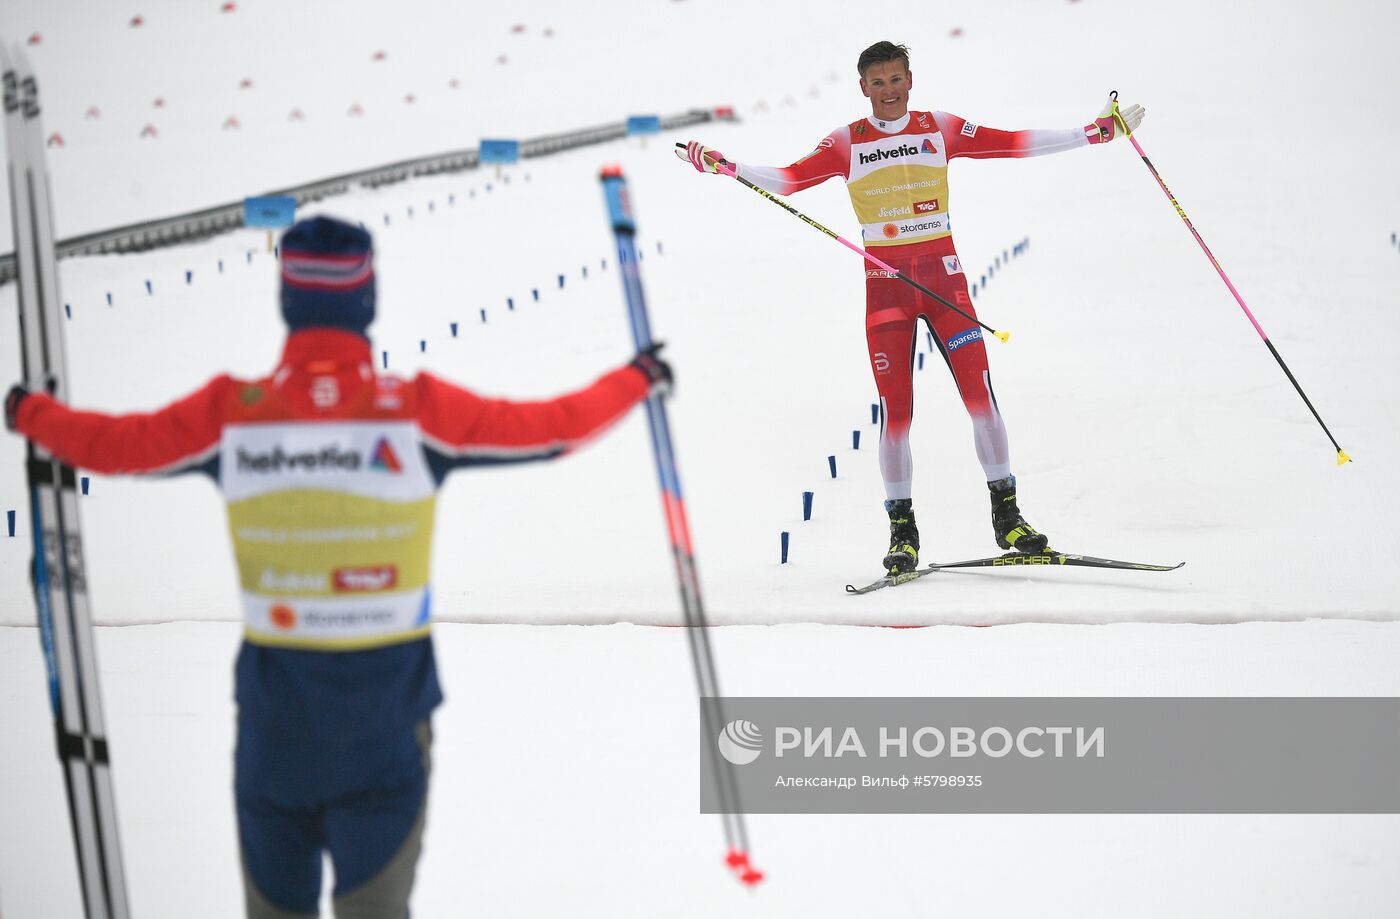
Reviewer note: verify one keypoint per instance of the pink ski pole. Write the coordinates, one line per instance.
(1342, 457)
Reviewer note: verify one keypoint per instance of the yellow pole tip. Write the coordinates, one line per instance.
(1342, 458)
(1002, 335)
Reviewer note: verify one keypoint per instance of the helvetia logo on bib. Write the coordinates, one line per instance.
(740, 742)
(383, 458)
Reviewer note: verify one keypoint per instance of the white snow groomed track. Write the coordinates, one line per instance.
(1147, 421)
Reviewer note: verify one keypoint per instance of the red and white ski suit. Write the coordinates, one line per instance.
(897, 175)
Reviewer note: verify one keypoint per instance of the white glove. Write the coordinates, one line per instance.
(1105, 127)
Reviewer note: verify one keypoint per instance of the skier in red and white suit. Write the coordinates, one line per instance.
(895, 165)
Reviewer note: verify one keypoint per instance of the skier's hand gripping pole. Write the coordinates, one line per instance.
(704, 157)
(1125, 120)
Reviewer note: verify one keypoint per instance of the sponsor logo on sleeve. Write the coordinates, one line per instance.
(926, 207)
(923, 120)
(969, 129)
(966, 337)
(951, 264)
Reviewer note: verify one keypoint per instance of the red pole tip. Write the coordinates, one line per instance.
(614, 171)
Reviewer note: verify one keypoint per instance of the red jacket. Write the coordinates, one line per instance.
(328, 375)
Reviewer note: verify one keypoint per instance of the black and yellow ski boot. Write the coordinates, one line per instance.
(1010, 527)
(904, 537)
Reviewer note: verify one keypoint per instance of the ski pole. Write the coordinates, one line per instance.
(1342, 457)
(673, 504)
(729, 170)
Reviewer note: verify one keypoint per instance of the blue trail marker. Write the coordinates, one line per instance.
(422, 345)
(561, 282)
(221, 266)
(974, 290)
(451, 200)
(149, 288)
(855, 440)
(921, 360)
(454, 330)
(785, 546)
(510, 303)
(109, 298)
(189, 276)
(10, 520)
(84, 481)
(643, 124)
(499, 151)
(535, 292)
(68, 310)
(483, 314)
(386, 359)
(874, 413)
(807, 505)
(831, 461)
(585, 271)
(269, 212)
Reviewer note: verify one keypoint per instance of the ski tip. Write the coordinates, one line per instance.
(1342, 458)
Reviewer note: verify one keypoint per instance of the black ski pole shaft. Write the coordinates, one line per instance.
(697, 630)
(728, 169)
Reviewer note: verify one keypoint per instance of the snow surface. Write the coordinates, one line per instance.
(1147, 421)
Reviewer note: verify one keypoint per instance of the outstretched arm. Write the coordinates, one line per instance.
(461, 428)
(963, 138)
(829, 159)
(181, 437)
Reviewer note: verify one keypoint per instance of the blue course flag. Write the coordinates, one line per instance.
(499, 151)
(269, 212)
(807, 505)
(643, 124)
(831, 461)
(785, 546)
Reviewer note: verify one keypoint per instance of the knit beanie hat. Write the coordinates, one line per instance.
(327, 275)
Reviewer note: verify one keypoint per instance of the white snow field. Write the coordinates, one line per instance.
(1147, 420)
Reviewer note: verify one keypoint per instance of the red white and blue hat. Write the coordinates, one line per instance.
(327, 275)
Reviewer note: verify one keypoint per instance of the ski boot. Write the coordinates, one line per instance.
(1010, 527)
(904, 537)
